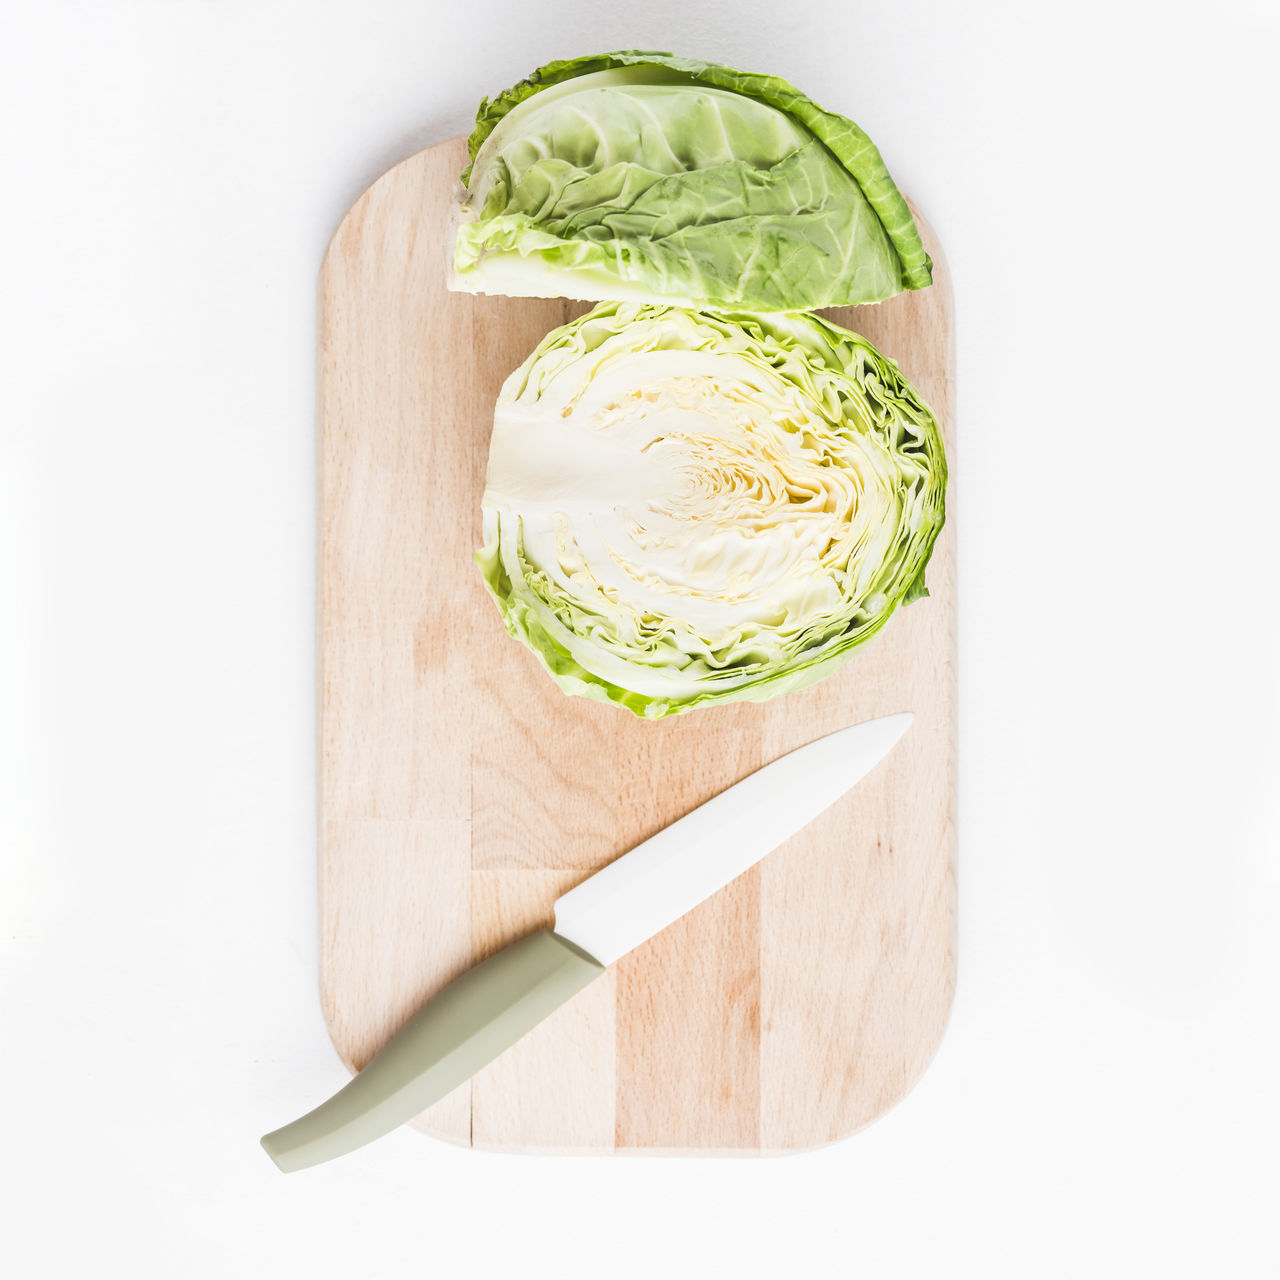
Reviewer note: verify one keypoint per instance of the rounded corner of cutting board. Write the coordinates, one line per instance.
(933, 246)
(449, 155)
(461, 792)
(441, 1122)
(344, 1043)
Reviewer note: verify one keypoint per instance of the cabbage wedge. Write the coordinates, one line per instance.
(640, 176)
(684, 508)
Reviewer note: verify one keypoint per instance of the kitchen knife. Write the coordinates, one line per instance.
(491, 1006)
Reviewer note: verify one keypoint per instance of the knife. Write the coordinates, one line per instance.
(487, 1009)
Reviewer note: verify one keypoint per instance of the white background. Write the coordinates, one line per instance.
(1105, 1102)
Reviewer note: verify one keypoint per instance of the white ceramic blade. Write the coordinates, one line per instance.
(640, 893)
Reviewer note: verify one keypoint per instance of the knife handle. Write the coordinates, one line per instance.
(468, 1024)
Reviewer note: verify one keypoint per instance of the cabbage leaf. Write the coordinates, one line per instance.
(641, 176)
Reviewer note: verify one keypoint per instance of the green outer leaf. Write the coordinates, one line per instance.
(850, 145)
(889, 401)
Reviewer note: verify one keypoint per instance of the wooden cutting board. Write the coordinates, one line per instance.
(462, 792)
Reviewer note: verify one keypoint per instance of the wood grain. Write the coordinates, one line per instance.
(461, 792)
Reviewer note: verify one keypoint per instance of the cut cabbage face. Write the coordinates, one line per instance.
(645, 177)
(684, 508)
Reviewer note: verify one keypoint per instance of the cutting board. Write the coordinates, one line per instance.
(462, 792)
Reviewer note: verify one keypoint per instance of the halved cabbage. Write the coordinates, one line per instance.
(685, 508)
(646, 177)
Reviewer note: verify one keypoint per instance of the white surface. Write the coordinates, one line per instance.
(1105, 1103)
(654, 884)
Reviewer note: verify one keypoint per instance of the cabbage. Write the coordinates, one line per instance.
(646, 177)
(683, 508)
